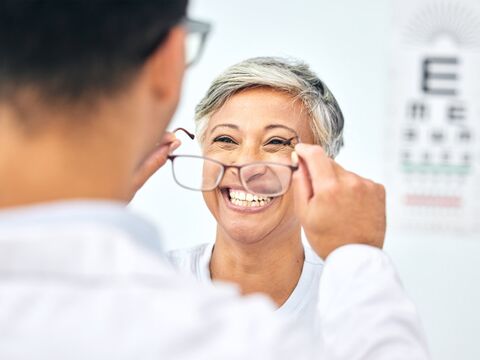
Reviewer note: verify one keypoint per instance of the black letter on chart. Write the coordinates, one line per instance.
(435, 82)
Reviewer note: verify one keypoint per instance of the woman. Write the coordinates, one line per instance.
(255, 112)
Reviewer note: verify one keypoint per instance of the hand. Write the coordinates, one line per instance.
(336, 207)
(157, 158)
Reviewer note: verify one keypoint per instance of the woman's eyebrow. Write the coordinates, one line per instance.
(276, 126)
(230, 126)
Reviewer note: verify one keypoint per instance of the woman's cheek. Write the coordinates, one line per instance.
(210, 198)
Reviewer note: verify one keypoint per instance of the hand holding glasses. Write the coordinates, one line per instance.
(261, 178)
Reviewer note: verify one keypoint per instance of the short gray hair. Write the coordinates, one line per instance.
(286, 75)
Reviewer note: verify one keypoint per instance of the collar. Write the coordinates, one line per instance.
(77, 236)
(111, 213)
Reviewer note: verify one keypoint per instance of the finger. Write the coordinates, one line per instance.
(174, 145)
(151, 164)
(302, 185)
(349, 176)
(318, 165)
(382, 192)
(167, 137)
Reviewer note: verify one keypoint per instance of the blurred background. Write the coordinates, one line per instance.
(372, 55)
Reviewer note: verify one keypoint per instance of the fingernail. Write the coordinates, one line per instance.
(294, 158)
(174, 145)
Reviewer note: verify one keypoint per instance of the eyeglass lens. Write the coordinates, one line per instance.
(263, 179)
(197, 33)
(266, 179)
(196, 173)
(193, 45)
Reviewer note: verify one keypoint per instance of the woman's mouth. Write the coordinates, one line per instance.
(241, 198)
(244, 201)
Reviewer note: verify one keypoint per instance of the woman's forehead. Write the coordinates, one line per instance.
(261, 109)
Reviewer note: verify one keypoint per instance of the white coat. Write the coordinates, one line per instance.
(88, 281)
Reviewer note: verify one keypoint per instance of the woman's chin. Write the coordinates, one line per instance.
(244, 219)
(244, 235)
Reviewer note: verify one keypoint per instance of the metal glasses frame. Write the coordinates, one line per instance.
(225, 167)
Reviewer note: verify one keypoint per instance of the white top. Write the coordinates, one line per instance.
(88, 281)
(302, 301)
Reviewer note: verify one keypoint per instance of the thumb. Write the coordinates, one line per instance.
(152, 163)
(302, 186)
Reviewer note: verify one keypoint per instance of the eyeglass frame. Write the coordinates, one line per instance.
(225, 167)
(197, 27)
(191, 27)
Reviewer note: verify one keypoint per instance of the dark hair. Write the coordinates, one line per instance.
(71, 48)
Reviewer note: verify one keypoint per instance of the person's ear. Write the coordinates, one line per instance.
(166, 66)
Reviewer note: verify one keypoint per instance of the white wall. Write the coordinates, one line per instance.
(347, 44)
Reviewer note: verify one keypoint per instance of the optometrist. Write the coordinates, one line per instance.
(86, 91)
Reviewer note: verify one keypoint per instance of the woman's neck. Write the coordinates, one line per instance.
(270, 266)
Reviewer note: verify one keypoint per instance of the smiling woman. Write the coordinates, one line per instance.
(248, 124)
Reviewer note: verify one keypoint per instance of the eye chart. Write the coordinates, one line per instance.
(434, 115)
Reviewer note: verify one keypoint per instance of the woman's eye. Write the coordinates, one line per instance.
(224, 139)
(277, 141)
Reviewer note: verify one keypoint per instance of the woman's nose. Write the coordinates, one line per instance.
(247, 154)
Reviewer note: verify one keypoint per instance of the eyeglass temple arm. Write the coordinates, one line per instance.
(196, 26)
(189, 134)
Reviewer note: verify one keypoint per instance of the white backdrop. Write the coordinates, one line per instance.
(347, 44)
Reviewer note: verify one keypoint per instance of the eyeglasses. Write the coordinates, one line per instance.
(197, 33)
(267, 179)
(196, 37)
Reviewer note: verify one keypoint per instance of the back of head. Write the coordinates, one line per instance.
(73, 98)
(73, 50)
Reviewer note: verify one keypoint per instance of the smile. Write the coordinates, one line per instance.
(244, 199)
(244, 202)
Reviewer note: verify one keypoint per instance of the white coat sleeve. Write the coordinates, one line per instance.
(363, 310)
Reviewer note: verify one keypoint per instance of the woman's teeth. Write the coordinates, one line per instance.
(241, 198)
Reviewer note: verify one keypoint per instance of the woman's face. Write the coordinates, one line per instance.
(252, 126)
